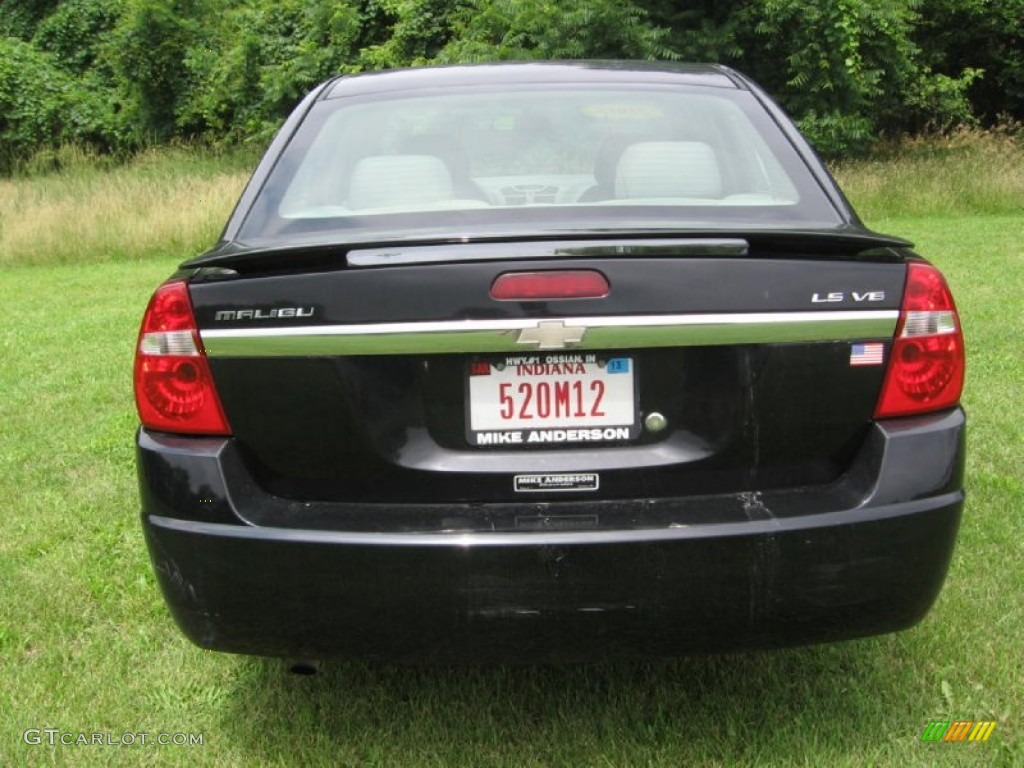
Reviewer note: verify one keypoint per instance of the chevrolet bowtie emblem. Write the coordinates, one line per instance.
(551, 334)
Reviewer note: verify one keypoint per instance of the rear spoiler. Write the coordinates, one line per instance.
(813, 243)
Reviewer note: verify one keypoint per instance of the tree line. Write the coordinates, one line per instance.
(117, 75)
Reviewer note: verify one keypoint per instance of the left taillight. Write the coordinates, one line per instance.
(174, 389)
(927, 361)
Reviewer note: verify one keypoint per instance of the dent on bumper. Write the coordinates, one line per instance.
(874, 566)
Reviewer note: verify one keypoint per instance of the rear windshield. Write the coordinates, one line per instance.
(477, 161)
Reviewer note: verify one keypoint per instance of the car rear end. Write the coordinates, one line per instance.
(517, 415)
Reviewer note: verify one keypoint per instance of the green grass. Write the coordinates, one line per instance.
(86, 644)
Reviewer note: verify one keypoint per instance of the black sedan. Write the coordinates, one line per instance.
(547, 361)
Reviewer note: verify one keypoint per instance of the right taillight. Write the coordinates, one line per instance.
(174, 388)
(926, 363)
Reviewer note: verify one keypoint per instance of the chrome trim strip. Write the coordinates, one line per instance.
(432, 254)
(609, 332)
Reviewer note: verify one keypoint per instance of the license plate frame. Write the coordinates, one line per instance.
(619, 400)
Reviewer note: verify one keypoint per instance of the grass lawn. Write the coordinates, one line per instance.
(87, 646)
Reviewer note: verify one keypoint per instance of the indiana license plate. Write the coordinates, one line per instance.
(551, 398)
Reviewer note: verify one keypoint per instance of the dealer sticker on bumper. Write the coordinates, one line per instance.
(557, 482)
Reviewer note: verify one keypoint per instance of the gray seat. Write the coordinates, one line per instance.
(668, 169)
(606, 161)
(452, 153)
(399, 181)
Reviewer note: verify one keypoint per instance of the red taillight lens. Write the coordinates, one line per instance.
(534, 286)
(926, 364)
(174, 389)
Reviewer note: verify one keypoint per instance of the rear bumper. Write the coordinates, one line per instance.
(864, 556)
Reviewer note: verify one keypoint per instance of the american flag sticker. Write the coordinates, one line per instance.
(866, 354)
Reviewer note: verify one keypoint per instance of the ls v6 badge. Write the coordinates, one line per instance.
(841, 296)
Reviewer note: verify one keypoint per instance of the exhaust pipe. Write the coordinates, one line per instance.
(304, 667)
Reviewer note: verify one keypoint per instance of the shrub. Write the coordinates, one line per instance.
(147, 54)
(850, 70)
(489, 30)
(247, 72)
(123, 74)
(43, 106)
(77, 31)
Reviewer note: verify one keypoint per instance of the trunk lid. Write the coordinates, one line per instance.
(711, 366)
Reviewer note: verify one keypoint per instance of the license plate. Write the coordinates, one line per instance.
(551, 398)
